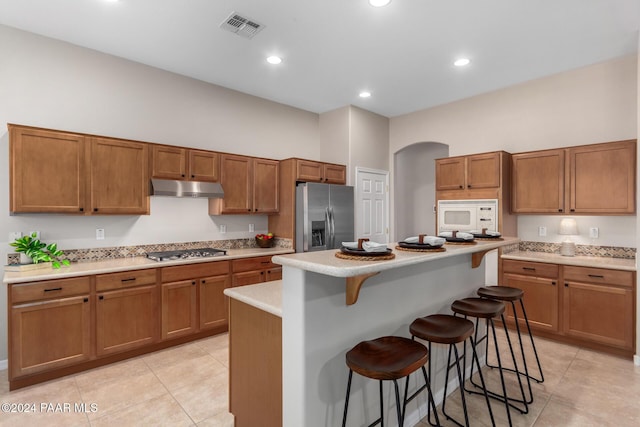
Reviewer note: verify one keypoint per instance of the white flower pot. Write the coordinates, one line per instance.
(24, 259)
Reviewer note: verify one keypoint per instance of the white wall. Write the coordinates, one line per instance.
(334, 136)
(583, 106)
(56, 85)
(369, 138)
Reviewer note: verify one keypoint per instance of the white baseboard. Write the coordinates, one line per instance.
(636, 360)
(4, 364)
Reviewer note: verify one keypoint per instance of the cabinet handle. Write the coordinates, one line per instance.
(81, 209)
(95, 209)
(265, 262)
(572, 210)
(596, 276)
(529, 268)
(256, 209)
(183, 175)
(204, 281)
(462, 186)
(193, 283)
(101, 297)
(248, 210)
(262, 273)
(469, 186)
(193, 176)
(566, 284)
(559, 210)
(130, 279)
(553, 283)
(53, 289)
(85, 300)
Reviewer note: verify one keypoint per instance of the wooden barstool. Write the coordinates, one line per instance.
(387, 358)
(487, 309)
(447, 329)
(511, 295)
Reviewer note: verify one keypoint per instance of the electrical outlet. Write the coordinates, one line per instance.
(13, 235)
(594, 232)
(99, 233)
(252, 228)
(542, 231)
(223, 228)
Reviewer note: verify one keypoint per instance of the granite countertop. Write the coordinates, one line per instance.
(325, 262)
(581, 261)
(125, 264)
(265, 296)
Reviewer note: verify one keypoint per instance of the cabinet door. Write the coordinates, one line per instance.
(126, 319)
(599, 313)
(248, 278)
(602, 178)
(49, 334)
(168, 162)
(213, 302)
(179, 309)
(540, 300)
(309, 171)
(204, 166)
(274, 274)
(334, 174)
(450, 173)
(265, 186)
(47, 171)
(236, 180)
(538, 182)
(483, 171)
(119, 178)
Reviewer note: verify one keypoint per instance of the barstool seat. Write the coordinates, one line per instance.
(501, 293)
(387, 358)
(478, 307)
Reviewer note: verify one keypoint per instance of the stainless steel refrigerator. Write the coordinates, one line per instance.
(324, 216)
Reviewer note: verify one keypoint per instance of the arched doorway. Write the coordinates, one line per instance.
(414, 188)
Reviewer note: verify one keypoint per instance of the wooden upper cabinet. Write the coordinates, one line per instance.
(311, 171)
(204, 166)
(169, 162)
(450, 174)
(597, 179)
(537, 182)
(47, 170)
(602, 178)
(468, 172)
(250, 186)
(119, 177)
(265, 186)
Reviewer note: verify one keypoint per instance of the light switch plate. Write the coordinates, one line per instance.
(252, 228)
(223, 228)
(99, 233)
(594, 232)
(13, 235)
(542, 231)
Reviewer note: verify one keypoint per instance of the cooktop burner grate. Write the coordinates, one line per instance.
(186, 254)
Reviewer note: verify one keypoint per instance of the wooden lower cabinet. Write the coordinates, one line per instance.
(212, 301)
(255, 383)
(250, 271)
(126, 319)
(179, 308)
(49, 334)
(587, 306)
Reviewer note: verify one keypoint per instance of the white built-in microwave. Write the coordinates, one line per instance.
(467, 215)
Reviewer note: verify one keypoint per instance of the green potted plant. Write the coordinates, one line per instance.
(39, 251)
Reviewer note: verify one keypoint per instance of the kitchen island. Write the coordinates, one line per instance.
(320, 322)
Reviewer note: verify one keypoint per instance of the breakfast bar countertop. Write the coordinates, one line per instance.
(580, 261)
(126, 264)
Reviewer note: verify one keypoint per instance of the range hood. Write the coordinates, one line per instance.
(175, 188)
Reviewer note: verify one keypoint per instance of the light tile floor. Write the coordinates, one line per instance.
(188, 385)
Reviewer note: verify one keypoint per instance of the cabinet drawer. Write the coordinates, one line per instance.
(257, 263)
(192, 271)
(598, 275)
(537, 269)
(49, 289)
(125, 279)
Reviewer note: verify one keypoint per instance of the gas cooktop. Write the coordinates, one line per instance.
(186, 254)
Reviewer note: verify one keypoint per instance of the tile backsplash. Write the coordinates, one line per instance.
(101, 254)
(581, 250)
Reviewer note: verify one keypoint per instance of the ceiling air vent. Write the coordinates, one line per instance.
(242, 26)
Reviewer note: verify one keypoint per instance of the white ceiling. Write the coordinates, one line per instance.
(333, 49)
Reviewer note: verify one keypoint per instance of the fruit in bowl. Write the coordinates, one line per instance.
(265, 240)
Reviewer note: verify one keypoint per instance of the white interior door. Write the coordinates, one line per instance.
(372, 204)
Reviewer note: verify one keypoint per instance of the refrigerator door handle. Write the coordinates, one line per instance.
(327, 228)
(333, 228)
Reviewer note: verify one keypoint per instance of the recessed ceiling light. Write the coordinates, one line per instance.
(365, 94)
(379, 3)
(275, 60)
(462, 62)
